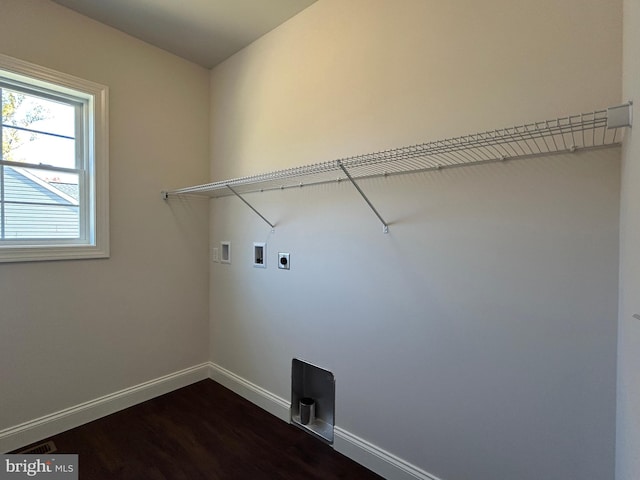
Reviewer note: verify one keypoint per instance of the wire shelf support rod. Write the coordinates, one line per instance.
(385, 225)
(251, 207)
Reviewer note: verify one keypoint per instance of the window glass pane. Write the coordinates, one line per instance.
(37, 113)
(40, 204)
(37, 148)
(39, 222)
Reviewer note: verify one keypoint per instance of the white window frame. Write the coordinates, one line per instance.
(96, 98)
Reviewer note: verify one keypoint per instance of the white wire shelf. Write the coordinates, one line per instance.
(601, 128)
(567, 134)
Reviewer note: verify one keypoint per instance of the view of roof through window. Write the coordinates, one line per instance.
(38, 132)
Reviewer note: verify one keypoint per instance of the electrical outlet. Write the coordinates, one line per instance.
(215, 257)
(283, 261)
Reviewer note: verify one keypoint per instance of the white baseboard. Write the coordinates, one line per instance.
(371, 456)
(32, 431)
(365, 453)
(376, 459)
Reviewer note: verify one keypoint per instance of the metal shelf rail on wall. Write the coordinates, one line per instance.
(601, 128)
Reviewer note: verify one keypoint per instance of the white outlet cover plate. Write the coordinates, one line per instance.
(286, 265)
(260, 254)
(225, 252)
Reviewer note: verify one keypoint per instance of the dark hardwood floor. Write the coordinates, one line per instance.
(203, 431)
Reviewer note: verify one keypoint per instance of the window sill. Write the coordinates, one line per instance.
(52, 253)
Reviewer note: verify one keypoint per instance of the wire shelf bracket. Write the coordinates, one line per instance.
(251, 207)
(597, 129)
(385, 226)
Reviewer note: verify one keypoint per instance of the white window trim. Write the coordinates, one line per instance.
(98, 131)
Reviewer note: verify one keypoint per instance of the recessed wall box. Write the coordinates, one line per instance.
(283, 261)
(313, 386)
(225, 252)
(260, 255)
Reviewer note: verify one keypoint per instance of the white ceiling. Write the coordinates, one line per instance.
(203, 31)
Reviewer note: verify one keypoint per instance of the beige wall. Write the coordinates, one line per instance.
(628, 433)
(481, 328)
(72, 331)
(478, 338)
(367, 77)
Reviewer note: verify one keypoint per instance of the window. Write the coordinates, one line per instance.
(53, 165)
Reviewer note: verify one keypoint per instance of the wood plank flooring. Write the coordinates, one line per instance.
(203, 431)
